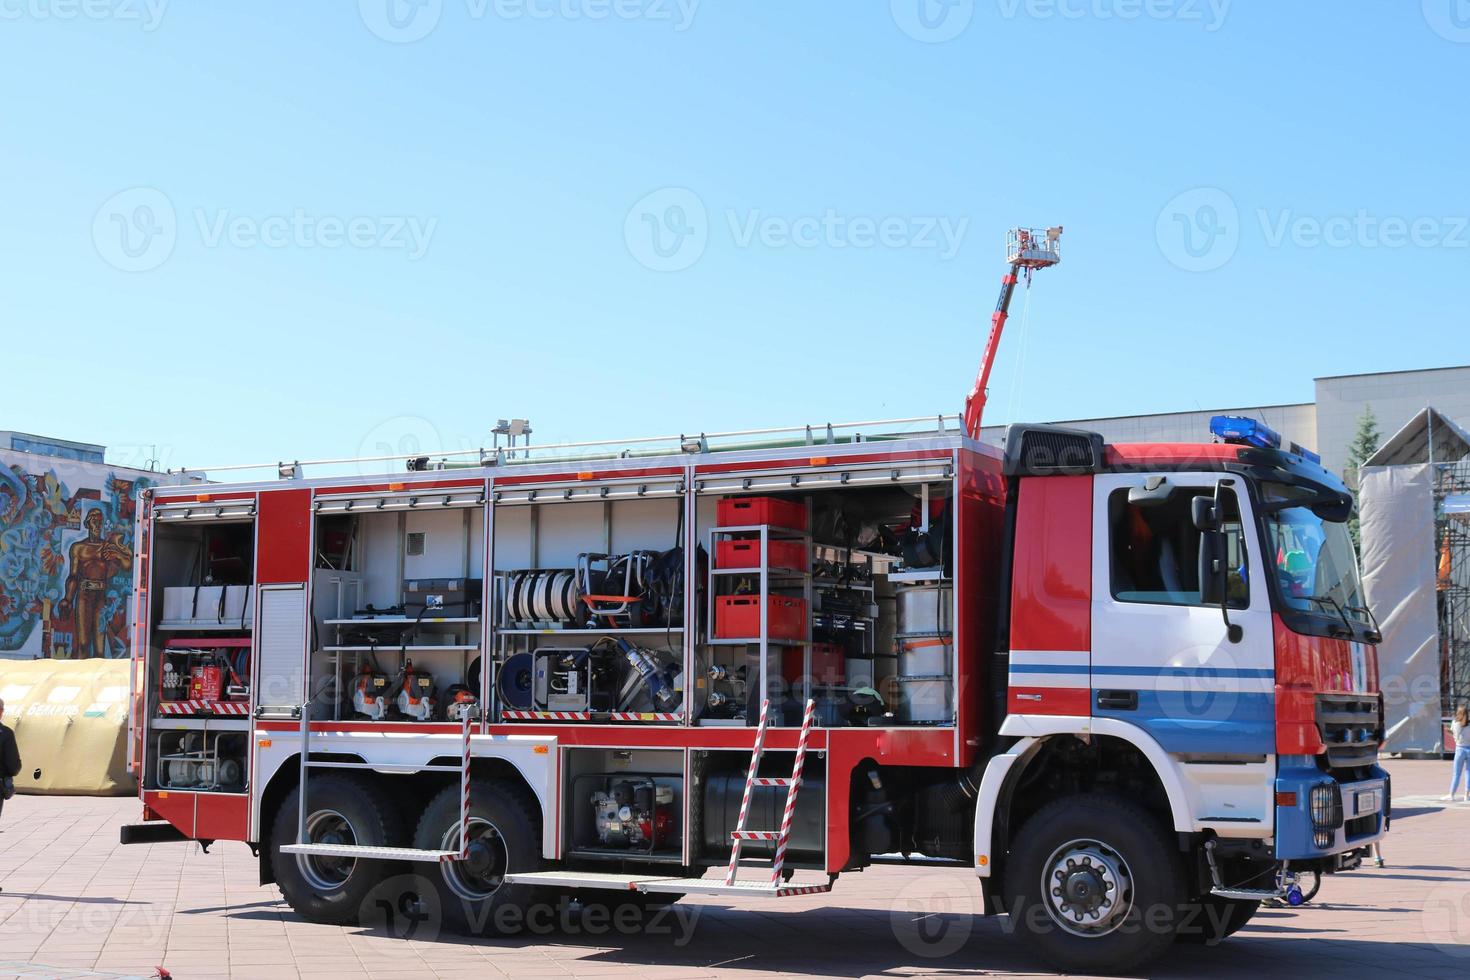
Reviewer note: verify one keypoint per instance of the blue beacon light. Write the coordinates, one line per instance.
(1242, 431)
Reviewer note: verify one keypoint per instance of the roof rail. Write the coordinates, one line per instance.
(829, 433)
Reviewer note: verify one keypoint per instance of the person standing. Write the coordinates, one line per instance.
(9, 760)
(1460, 729)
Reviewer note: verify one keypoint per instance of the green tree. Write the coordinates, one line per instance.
(1363, 445)
(1365, 441)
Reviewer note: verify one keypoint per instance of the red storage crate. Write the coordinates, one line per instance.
(829, 664)
(746, 553)
(738, 617)
(742, 511)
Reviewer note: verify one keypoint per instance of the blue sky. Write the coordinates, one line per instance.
(251, 231)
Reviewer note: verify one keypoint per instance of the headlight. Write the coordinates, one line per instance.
(1326, 803)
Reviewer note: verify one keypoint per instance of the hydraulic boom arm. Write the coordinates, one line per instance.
(1026, 249)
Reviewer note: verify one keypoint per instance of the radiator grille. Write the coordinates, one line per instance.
(1350, 729)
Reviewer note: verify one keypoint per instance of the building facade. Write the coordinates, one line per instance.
(1325, 425)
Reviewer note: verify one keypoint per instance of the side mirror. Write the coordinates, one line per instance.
(1204, 514)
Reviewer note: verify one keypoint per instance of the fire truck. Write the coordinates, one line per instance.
(1131, 687)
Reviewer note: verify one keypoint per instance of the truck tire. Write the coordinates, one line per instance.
(505, 835)
(1085, 880)
(341, 809)
(1212, 919)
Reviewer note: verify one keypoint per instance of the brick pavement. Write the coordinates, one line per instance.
(77, 904)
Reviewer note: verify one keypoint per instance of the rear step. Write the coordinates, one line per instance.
(151, 832)
(654, 884)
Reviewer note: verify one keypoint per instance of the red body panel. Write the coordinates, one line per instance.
(175, 806)
(980, 535)
(1305, 667)
(283, 527)
(1051, 600)
(1051, 585)
(1145, 455)
(222, 816)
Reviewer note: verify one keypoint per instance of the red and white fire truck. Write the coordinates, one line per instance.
(1109, 679)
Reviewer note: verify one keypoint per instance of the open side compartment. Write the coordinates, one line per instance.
(842, 594)
(624, 806)
(717, 778)
(198, 667)
(397, 607)
(589, 601)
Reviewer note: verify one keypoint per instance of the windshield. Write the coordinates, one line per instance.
(1314, 560)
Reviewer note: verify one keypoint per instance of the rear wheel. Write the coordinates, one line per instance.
(340, 810)
(1089, 880)
(504, 836)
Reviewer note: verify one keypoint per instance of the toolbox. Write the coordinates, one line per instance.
(443, 596)
(738, 617)
(743, 511)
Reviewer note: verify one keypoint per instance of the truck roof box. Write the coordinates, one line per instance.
(1052, 450)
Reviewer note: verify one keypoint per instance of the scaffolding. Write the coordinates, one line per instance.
(1452, 579)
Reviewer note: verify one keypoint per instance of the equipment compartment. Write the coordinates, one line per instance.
(855, 579)
(398, 595)
(201, 760)
(625, 804)
(589, 602)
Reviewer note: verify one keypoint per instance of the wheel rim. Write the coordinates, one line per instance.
(482, 872)
(1088, 888)
(321, 872)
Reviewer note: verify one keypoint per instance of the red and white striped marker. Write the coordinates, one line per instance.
(755, 761)
(643, 716)
(464, 794)
(785, 834)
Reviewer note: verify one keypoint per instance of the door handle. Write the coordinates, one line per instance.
(1118, 700)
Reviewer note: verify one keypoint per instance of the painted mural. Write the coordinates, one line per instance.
(66, 556)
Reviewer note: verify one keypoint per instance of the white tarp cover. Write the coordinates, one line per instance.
(1396, 504)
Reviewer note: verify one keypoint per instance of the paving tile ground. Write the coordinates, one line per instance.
(77, 904)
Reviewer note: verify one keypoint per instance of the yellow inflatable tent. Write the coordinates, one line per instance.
(70, 719)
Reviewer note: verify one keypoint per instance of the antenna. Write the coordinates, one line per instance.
(1027, 249)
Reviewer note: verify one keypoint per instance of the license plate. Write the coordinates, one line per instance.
(1366, 802)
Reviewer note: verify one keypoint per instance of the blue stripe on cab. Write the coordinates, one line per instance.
(1204, 721)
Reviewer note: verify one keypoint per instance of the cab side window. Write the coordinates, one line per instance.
(1156, 550)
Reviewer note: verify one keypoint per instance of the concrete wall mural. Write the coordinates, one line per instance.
(66, 556)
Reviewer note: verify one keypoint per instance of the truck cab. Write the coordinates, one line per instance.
(1186, 633)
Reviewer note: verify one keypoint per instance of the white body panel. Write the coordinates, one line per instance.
(533, 756)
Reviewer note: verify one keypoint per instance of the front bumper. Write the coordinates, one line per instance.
(1356, 813)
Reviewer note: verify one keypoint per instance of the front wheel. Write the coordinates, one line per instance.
(1093, 884)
